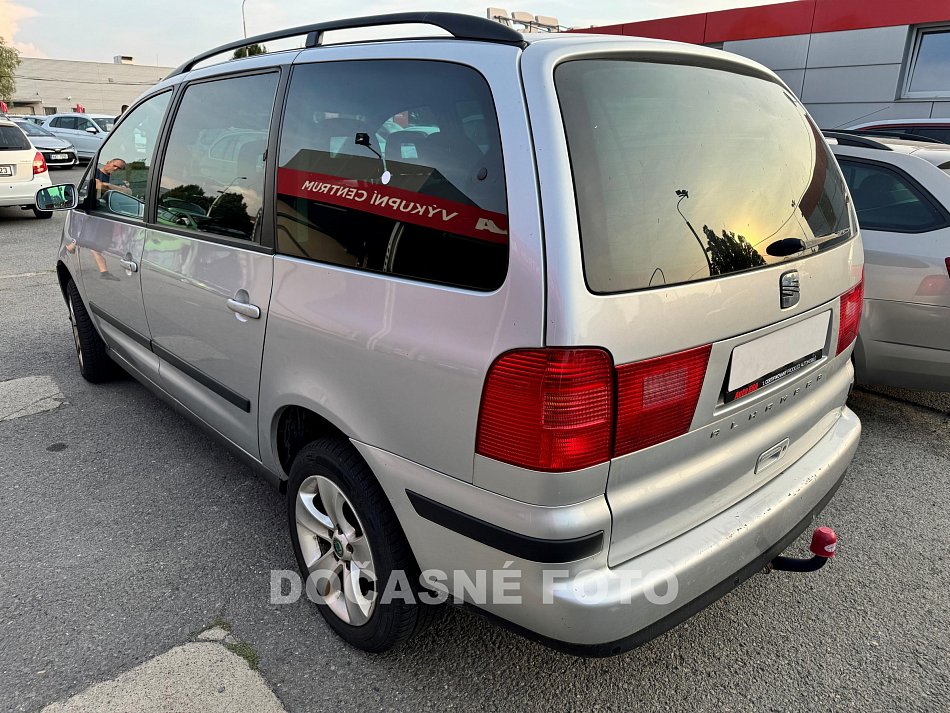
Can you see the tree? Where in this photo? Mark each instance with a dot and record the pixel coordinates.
(249, 51)
(9, 61)
(730, 253)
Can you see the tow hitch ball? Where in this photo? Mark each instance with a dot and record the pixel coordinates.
(824, 541)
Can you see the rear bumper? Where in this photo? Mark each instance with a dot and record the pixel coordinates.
(586, 607)
(23, 193)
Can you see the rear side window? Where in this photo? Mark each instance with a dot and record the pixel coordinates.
(211, 192)
(12, 139)
(886, 199)
(683, 173)
(395, 167)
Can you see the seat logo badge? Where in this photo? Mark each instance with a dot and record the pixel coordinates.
(789, 289)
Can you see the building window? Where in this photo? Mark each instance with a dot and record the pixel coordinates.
(928, 74)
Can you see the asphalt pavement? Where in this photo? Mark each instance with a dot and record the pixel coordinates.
(126, 531)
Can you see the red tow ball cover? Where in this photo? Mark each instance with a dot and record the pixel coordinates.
(824, 542)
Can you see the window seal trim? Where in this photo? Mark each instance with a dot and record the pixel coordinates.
(922, 192)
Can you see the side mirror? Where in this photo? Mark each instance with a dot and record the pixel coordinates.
(61, 197)
(92, 130)
(124, 204)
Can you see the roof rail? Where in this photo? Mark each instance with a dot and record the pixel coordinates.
(846, 138)
(898, 135)
(462, 27)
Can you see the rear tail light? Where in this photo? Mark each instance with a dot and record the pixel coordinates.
(947, 262)
(849, 315)
(39, 164)
(556, 409)
(656, 398)
(548, 409)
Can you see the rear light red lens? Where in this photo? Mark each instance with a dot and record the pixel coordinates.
(849, 319)
(656, 398)
(548, 409)
(39, 164)
(947, 262)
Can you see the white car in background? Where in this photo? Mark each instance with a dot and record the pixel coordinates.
(23, 170)
(933, 129)
(901, 192)
(84, 131)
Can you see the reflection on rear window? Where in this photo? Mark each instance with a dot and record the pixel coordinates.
(684, 173)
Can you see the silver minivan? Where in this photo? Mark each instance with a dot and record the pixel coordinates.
(556, 326)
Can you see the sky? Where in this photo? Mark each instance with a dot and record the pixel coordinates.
(168, 32)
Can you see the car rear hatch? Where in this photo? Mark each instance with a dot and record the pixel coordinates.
(16, 156)
(716, 241)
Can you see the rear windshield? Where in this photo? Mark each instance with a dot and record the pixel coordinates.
(31, 129)
(12, 139)
(683, 173)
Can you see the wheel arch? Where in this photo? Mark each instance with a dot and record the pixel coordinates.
(63, 276)
(293, 426)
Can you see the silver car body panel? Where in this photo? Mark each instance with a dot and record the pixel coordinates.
(112, 292)
(186, 284)
(589, 601)
(399, 366)
(425, 347)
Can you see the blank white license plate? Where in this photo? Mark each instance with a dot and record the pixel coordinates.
(6, 170)
(59, 156)
(768, 359)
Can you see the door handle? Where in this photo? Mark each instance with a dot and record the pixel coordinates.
(129, 265)
(248, 310)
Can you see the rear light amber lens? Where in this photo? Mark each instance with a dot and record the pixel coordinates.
(39, 164)
(656, 398)
(548, 409)
(849, 315)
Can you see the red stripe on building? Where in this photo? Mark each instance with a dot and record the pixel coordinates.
(782, 19)
(835, 15)
(790, 18)
(688, 28)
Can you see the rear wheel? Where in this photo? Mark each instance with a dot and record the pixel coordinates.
(42, 213)
(348, 542)
(94, 362)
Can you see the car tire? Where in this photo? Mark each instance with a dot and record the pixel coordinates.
(94, 362)
(367, 523)
(37, 213)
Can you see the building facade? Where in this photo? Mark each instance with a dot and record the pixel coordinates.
(849, 61)
(48, 86)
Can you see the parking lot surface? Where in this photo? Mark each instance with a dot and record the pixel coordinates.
(127, 531)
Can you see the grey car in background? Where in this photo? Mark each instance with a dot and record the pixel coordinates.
(84, 131)
(57, 152)
(901, 191)
(574, 312)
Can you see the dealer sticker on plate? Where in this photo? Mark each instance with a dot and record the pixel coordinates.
(775, 356)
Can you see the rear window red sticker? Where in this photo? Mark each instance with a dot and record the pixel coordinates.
(396, 203)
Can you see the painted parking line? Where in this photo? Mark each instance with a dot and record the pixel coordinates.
(199, 677)
(27, 396)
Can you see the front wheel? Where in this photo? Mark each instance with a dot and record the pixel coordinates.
(348, 545)
(94, 362)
